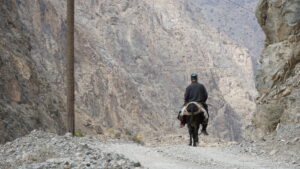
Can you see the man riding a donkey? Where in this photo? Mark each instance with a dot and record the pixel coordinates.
(195, 109)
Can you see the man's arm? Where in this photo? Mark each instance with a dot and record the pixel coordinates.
(186, 95)
(205, 93)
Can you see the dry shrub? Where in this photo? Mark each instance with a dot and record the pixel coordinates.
(79, 133)
(268, 116)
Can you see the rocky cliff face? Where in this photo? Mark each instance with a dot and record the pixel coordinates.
(278, 77)
(235, 18)
(27, 98)
(133, 61)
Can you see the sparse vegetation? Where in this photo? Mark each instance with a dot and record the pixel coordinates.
(138, 139)
(79, 133)
(134, 137)
(111, 131)
(128, 132)
(269, 117)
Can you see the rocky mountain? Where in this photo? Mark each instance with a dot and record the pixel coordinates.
(133, 61)
(278, 77)
(235, 18)
(28, 99)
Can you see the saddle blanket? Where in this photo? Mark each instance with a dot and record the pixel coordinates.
(200, 109)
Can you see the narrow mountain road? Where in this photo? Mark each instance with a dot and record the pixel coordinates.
(47, 150)
(186, 157)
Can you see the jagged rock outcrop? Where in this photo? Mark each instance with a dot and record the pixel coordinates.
(278, 77)
(133, 61)
(27, 99)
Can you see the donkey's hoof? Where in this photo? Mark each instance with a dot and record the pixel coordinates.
(204, 132)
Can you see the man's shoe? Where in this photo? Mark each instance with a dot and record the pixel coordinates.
(204, 132)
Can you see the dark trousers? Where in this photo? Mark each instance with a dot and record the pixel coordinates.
(205, 121)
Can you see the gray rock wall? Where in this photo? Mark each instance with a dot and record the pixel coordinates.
(27, 99)
(278, 77)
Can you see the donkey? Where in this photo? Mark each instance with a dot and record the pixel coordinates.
(195, 115)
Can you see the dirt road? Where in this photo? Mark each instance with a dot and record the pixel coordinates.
(47, 150)
(186, 157)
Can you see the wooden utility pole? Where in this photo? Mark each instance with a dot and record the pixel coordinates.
(70, 67)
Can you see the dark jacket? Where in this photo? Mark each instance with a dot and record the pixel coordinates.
(195, 92)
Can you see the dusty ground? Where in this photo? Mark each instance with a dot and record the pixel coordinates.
(185, 157)
(277, 150)
(49, 151)
(210, 154)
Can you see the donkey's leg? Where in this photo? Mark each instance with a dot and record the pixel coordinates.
(191, 135)
(196, 129)
(196, 138)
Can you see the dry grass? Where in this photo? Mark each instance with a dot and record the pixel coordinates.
(134, 137)
(79, 133)
(268, 117)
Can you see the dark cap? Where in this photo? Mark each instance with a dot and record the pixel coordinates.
(194, 76)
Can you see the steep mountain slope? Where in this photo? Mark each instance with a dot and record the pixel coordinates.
(158, 47)
(235, 18)
(133, 61)
(27, 99)
(279, 73)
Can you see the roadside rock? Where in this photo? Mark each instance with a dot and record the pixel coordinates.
(46, 150)
(282, 145)
(277, 78)
(273, 152)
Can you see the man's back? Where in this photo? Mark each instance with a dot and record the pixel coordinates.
(195, 92)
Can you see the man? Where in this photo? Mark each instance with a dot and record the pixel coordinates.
(196, 92)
